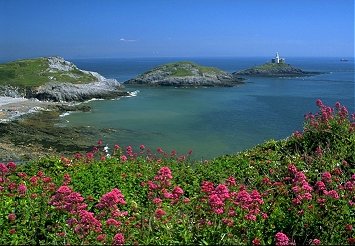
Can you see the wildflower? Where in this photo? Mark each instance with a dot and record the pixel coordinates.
(11, 166)
(123, 158)
(111, 199)
(348, 227)
(99, 142)
(177, 192)
(256, 241)
(118, 239)
(165, 173)
(12, 231)
(159, 213)
(116, 147)
(333, 194)
(319, 103)
(326, 176)
(320, 185)
(3, 168)
(292, 168)
(113, 222)
(11, 217)
(250, 216)
(142, 147)
(157, 201)
(90, 155)
(281, 239)
(231, 181)
(22, 189)
(315, 242)
(101, 237)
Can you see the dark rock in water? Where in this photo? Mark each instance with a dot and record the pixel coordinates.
(275, 70)
(69, 108)
(186, 74)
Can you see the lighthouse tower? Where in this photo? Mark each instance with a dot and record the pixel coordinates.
(277, 58)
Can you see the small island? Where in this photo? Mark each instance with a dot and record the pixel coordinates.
(276, 68)
(186, 74)
(54, 79)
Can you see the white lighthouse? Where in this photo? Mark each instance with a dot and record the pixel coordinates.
(277, 59)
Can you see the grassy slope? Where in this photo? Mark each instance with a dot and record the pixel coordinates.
(182, 69)
(32, 72)
(323, 147)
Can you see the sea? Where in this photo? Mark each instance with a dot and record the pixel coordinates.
(212, 121)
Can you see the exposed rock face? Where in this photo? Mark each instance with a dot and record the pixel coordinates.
(66, 92)
(275, 70)
(185, 74)
(56, 79)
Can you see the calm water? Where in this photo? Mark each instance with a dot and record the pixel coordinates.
(213, 121)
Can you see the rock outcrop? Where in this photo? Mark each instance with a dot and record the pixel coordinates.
(186, 74)
(274, 70)
(55, 79)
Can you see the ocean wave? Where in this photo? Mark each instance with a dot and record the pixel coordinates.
(133, 93)
(64, 114)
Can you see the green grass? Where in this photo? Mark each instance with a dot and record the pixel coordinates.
(184, 68)
(32, 72)
(265, 180)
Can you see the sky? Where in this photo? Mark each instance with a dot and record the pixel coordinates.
(176, 28)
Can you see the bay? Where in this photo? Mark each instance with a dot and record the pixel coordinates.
(213, 121)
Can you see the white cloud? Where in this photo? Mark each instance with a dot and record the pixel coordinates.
(127, 40)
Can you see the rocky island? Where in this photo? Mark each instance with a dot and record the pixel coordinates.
(276, 68)
(186, 74)
(55, 79)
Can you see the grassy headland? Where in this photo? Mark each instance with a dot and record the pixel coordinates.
(36, 72)
(298, 190)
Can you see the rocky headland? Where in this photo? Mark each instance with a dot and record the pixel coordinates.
(55, 79)
(275, 70)
(186, 74)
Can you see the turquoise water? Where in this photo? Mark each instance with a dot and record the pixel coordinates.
(213, 121)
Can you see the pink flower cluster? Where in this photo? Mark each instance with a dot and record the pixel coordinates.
(220, 195)
(300, 186)
(160, 189)
(66, 199)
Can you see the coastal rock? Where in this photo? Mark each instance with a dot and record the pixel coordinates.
(186, 74)
(66, 92)
(274, 70)
(55, 79)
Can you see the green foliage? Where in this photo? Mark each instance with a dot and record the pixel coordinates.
(34, 72)
(278, 182)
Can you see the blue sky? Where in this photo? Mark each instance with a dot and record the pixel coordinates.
(173, 28)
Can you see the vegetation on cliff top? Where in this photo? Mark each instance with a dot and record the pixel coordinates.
(275, 70)
(36, 72)
(300, 190)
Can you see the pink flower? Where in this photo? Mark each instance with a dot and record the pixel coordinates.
(333, 194)
(157, 201)
(11, 165)
(320, 185)
(90, 155)
(315, 242)
(22, 189)
(281, 239)
(123, 158)
(11, 217)
(256, 241)
(113, 222)
(116, 147)
(111, 199)
(348, 227)
(177, 192)
(165, 172)
(142, 147)
(118, 239)
(3, 168)
(319, 103)
(159, 213)
(326, 176)
(101, 237)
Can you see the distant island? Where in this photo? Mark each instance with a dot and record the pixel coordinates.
(276, 68)
(54, 79)
(186, 74)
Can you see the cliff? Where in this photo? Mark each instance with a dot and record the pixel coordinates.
(185, 74)
(55, 79)
(274, 70)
